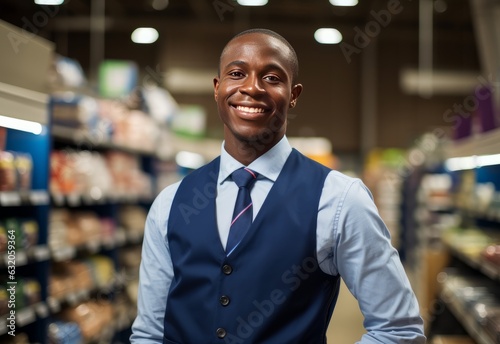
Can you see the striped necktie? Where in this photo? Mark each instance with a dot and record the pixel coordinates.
(243, 214)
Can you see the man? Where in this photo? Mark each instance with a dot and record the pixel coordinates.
(210, 276)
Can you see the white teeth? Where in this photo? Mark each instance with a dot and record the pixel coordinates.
(250, 109)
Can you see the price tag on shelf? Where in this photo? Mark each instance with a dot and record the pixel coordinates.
(39, 197)
(41, 309)
(21, 258)
(10, 198)
(54, 304)
(41, 253)
(64, 253)
(25, 316)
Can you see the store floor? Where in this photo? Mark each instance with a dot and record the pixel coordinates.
(346, 326)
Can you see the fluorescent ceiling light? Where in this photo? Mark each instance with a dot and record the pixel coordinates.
(144, 35)
(471, 162)
(328, 36)
(21, 124)
(252, 2)
(159, 5)
(344, 2)
(49, 2)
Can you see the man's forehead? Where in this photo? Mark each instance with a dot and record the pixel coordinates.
(259, 40)
(256, 38)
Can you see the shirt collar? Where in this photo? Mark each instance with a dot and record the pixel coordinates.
(268, 165)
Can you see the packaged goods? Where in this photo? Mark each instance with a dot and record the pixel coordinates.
(13, 225)
(24, 167)
(30, 231)
(8, 176)
(64, 332)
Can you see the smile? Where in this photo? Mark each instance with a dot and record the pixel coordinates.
(250, 109)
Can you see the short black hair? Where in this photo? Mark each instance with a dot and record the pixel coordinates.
(294, 61)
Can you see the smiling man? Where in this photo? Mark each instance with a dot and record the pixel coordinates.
(261, 260)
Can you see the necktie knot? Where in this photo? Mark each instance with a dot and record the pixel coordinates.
(244, 177)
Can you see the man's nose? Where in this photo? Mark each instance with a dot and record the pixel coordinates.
(251, 85)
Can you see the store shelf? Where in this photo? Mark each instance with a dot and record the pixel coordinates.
(84, 139)
(38, 253)
(480, 144)
(490, 214)
(486, 268)
(26, 316)
(15, 198)
(21, 103)
(466, 319)
(55, 304)
(120, 239)
(78, 200)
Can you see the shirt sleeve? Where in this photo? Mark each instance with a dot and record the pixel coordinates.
(155, 274)
(372, 271)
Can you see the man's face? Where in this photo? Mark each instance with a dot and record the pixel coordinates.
(254, 89)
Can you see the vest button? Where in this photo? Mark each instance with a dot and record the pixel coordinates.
(221, 333)
(224, 300)
(227, 269)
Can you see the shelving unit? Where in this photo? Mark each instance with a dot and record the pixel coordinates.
(479, 228)
(31, 262)
(110, 245)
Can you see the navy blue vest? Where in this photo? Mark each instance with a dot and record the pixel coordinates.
(270, 289)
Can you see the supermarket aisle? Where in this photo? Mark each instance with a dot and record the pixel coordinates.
(347, 321)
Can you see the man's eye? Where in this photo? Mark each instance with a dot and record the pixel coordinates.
(236, 74)
(272, 78)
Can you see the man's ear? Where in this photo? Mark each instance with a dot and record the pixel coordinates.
(296, 91)
(216, 87)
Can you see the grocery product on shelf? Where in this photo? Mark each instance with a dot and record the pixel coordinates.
(27, 293)
(96, 176)
(15, 171)
(93, 319)
(64, 332)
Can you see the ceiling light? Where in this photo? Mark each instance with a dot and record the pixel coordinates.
(144, 35)
(252, 2)
(159, 5)
(344, 2)
(328, 36)
(21, 124)
(49, 2)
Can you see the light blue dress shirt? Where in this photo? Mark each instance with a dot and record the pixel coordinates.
(352, 241)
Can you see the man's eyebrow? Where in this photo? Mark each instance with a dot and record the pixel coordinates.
(236, 63)
(270, 66)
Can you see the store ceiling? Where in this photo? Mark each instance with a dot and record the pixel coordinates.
(123, 15)
(192, 33)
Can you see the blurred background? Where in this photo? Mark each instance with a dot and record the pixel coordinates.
(104, 103)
